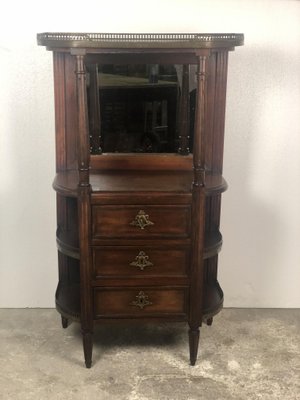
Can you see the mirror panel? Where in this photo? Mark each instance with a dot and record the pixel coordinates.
(137, 108)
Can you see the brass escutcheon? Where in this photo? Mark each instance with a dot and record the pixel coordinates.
(141, 220)
(141, 300)
(141, 261)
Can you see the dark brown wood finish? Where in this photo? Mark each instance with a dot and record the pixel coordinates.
(140, 261)
(84, 210)
(198, 211)
(140, 221)
(60, 115)
(65, 108)
(103, 182)
(140, 302)
(138, 234)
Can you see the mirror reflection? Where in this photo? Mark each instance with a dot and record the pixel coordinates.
(138, 108)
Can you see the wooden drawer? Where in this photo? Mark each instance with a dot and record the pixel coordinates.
(141, 261)
(140, 302)
(141, 221)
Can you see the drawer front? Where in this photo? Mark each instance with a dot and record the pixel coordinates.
(140, 302)
(140, 261)
(141, 221)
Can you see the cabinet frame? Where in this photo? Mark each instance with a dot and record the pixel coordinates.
(85, 183)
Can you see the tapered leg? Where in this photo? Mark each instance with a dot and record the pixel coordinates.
(87, 348)
(64, 322)
(193, 342)
(209, 321)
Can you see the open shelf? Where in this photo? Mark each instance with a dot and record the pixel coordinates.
(213, 243)
(67, 300)
(213, 300)
(67, 243)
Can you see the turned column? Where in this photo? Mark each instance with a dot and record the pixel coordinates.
(198, 210)
(84, 209)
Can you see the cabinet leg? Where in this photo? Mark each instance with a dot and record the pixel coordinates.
(87, 348)
(64, 322)
(193, 342)
(209, 321)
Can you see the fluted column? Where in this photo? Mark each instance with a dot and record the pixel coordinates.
(83, 148)
(199, 130)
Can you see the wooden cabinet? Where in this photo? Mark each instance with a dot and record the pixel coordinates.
(139, 150)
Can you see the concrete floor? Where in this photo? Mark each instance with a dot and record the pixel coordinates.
(246, 354)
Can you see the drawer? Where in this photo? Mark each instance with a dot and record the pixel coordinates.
(141, 261)
(140, 302)
(141, 221)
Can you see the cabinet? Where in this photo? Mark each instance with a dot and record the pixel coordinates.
(139, 146)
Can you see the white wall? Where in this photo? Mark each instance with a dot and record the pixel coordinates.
(260, 262)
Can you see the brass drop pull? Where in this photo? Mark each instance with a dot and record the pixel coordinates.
(141, 300)
(141, 261)
(141, 220)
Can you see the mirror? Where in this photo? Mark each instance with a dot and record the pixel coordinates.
(137, 108)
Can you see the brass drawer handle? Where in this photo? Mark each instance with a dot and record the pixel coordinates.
(141, 261)
(141, 300)
(141, 220)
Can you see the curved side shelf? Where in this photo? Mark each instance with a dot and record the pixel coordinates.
(213, 300)
(67, 300)
(215, 184)
(67, 243)
(213, 243)
(65, 183)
